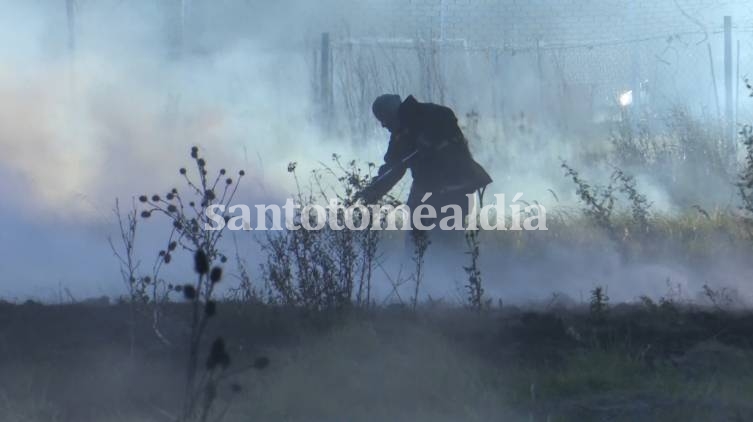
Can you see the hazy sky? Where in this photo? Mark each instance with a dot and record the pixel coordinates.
(118, 117)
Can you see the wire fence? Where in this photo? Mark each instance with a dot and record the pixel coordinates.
(568, 84)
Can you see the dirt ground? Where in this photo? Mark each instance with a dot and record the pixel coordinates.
(638, 362)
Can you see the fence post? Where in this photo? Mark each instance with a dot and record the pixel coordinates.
(326, 97)
(713, 80)
(729, 117)
(175, 16)
(737, 86)
(71, 14)
(540, 74)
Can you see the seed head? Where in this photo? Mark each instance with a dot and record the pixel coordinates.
(223, 259)
(216, 275)
(189, 292)
(218, 355)
(194, 152)
(170, 196)
(168, 258)
(146, 214)
(172, 246)
(202, 162)
(222, 171)
(172, 208)
(209, 194)
(201, 262)
(143, 198)
(229, 181)
(182, 170)
(155, 198)
(241, 173)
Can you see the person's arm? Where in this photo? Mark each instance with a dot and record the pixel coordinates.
(387, 178)
(389, 173)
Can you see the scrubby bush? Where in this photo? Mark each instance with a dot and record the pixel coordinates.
(325, 268)
(189, 221)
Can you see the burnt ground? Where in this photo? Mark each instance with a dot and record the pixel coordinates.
(632, 362)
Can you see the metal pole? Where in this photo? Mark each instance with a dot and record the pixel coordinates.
(71, 12)
(326, 80)
(713, 80)
(182, 27)
(728, 109)
(540, 74)
(737, 87)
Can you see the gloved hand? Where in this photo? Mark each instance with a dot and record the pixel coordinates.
(368, 195)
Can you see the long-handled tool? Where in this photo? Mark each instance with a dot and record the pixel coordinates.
(402, 161)
(384, 175)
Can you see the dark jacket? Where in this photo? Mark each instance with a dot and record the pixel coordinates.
(442, 165)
